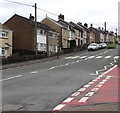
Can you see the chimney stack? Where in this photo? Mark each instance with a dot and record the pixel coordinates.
(86, 25)
(91, 25)
(31, 17)
(60, 17)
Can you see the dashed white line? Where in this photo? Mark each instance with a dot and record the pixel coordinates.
(11, 78)
(86, 86)
(34, 72)
(59, 107)
(68, 99)
(83, 57)
(116, 57)
(75, 94)
(99, 57)
(89, 94)
(107, 57)
(52, 67)
(91, 57)
(83, 99)
(82, 89)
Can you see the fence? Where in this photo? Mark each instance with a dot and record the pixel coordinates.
(17, 58)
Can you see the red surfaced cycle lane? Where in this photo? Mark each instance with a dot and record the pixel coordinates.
(102, 89)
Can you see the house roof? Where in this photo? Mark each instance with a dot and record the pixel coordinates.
(32, 22)
(76, 26)
(4, 27)
(56, 22)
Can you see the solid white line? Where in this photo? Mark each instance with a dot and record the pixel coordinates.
(109, 70)
(59, 107)
(11, 78)
(68, 99)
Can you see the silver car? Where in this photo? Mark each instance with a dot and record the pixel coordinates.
(93, 46)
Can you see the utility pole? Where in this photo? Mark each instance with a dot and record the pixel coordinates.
(105, 32)
(35, 40)
(116, 35)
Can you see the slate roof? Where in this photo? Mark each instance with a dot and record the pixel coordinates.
(39, 24)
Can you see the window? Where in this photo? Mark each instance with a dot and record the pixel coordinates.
(3, 34)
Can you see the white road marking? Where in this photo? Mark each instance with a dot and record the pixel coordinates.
(107, 57)
(59, 107)
(67, 64)
(91, 83)
(103, 82)
(116, 57)
(91, 57)
(52, 67)
(99, 57)
(68, 99)
(11, 78)
(86, 86)
(75, 57)
(83, 99)
(89, 94)
(68, 57)
(94, 80)
(109, 70)
(82, 89)
(75, 94)
(99, 85)
(34, 72)
(78, 61)
(83, 57)
(95, 89)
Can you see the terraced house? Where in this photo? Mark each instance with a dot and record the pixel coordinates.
(5, 41)
(61, 28)
(24, 39)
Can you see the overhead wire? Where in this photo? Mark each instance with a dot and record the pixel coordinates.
(47, 11)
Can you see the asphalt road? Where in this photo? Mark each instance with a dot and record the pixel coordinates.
(42, 86)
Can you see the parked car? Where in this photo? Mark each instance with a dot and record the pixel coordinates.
(100, 46)
(118, 43)
(104, 45)
(93, 46)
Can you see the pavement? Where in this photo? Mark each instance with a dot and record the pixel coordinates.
(103, 99)
(13, 65)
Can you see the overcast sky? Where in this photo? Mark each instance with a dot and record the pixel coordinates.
(85, 11)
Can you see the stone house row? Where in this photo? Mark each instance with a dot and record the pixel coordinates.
(52, 36)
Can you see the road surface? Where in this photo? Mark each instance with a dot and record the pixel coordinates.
(43, 86)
